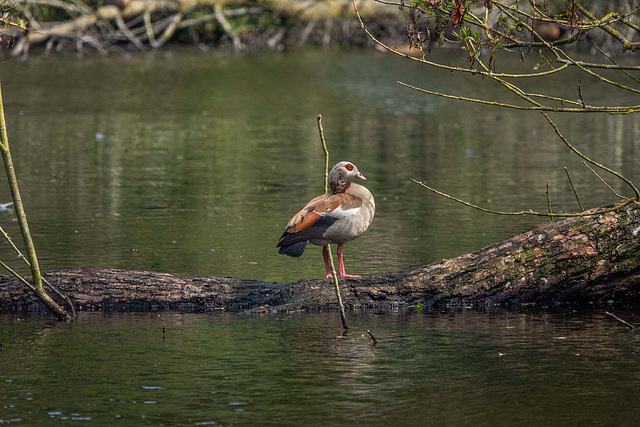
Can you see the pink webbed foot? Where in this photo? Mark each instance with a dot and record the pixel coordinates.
(341, 272)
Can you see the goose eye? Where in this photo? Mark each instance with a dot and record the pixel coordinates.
(349, 167)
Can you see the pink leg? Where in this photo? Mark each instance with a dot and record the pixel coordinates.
(325, 254)
(341, 272)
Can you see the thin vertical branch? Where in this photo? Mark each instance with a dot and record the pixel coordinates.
(343, 316)
(38, 288)
(581, 98)
(17, 199)
(549, 202)
(573, 187)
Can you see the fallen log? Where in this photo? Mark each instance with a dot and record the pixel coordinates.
(581, 260)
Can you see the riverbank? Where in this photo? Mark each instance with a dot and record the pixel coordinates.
(139, 25)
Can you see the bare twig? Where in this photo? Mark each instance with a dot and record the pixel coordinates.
(616, 64)
(573, 187)
(593, 162)
(38, 287)
(375, 341)
(626, 44)
(46, 282)
(443, 66)
(343, 315)
(149, 28)
(168, 32)
(72, 8)
(559, 53)
(596, 65)
(618, 195)
(18, 276)
(624, 322)
(580, 94)
(237, 44)
(549, 202)
(474, 46)
(527, 212)
(585, 109)
(127, 32)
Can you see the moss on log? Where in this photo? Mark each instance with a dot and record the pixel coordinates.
(578, 260)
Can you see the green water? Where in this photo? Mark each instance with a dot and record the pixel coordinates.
(191, 162)
(194, 162)
(426, 369)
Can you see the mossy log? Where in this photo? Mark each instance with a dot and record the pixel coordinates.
(580, 260)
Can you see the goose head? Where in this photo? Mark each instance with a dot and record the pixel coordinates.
(339, 175)
(347, 170)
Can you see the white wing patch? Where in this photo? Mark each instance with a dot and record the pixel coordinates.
(342, 213)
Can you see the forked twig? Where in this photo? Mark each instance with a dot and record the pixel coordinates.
(65, 297)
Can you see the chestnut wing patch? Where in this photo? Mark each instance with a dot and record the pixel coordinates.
(313, 220)
(344, 205)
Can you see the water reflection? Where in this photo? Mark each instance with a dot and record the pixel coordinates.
(447, 368)
(192, 163)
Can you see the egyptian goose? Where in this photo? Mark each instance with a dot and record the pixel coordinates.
(336, 217)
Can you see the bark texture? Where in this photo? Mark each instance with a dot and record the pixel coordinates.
(579, 260)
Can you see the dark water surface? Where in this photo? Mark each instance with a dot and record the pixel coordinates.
(427, 369)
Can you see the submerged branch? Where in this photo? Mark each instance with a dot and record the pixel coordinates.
(624, 322)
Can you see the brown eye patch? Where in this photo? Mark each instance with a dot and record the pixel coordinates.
(349, 167)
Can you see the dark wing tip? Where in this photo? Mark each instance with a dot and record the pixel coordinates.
(294, 250)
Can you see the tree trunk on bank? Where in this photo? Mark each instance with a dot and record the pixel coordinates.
(578, 260)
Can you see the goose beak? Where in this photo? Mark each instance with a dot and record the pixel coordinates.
(360, 176)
